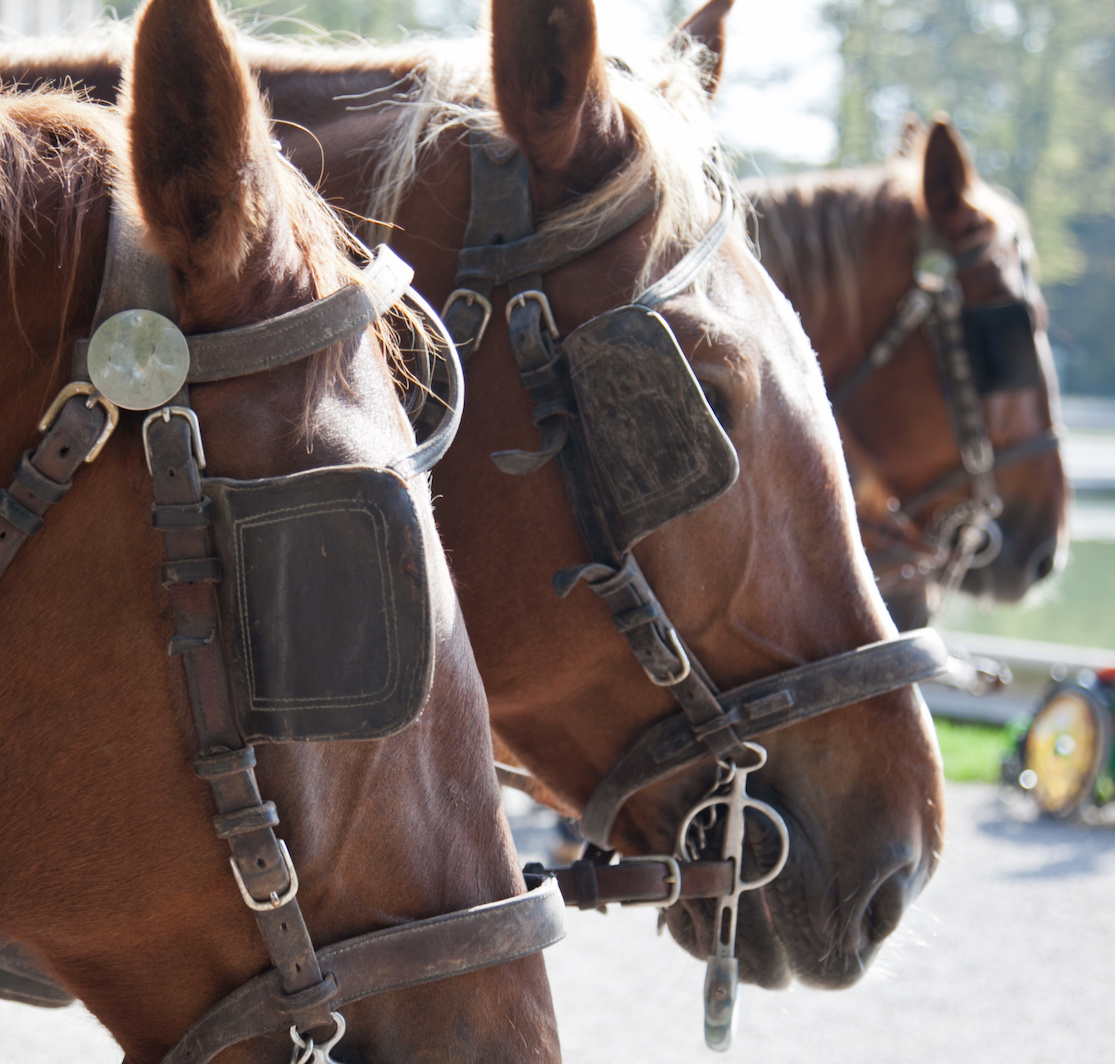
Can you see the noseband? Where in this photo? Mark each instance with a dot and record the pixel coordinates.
(974, 360)
(246, 687)
(617, 405)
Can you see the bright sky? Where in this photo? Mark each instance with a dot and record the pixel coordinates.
(782, 74)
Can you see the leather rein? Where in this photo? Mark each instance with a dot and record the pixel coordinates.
(502, 249)
(305, 987)
(967, 536)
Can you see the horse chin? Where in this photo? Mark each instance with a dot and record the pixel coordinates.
(763, 959)
(787, 930)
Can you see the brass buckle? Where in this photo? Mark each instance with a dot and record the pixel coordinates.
(75, 388)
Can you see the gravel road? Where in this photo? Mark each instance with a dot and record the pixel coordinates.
(1004, 960)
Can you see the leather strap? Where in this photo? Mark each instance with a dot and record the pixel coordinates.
(762, 706)
(22, 979)
(43, 476)
(499, 264)
(294, 335)
(640, 882)
(393, 959)
(262, 866)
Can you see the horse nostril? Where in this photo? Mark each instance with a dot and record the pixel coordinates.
(884, 910)
(1044, 567)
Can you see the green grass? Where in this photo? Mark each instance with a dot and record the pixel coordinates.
(973, 751)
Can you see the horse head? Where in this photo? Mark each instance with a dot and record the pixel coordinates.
(917, 284)
(113, 875)
(768, 576)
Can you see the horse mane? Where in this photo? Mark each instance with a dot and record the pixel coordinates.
(58, 155)
(56, 161)
(813, 230)
(439, 88)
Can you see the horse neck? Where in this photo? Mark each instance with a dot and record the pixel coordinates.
(841, 248)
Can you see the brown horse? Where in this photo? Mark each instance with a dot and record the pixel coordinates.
(845, 247)
(771, 575)
(112, 872)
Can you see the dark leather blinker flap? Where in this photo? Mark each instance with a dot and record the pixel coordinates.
(1001, 347)
(657, 450)
(325, 604)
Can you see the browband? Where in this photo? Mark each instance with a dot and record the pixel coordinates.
(296, 334)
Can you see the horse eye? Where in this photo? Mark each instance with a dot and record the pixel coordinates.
(716, 401)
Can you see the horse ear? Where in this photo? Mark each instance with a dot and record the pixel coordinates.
(911, 137)
(706, 27)
(948, 176)
(200, 147)
(550, 84)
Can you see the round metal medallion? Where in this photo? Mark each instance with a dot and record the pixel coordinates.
(138, 359)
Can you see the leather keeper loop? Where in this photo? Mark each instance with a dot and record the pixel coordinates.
(587, 886)
(541, 377)
(192, 571)
(552, 408)
(225, 764)
(311, 998)
(638, 617)
(245, 821)
(718, 724)
(169, 517)
(38, 483)
(18, 515)
(183, 644)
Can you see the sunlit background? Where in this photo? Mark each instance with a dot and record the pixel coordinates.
(1031, 85)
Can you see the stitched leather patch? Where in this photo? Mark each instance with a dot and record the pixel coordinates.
(657, 450)
(325, 608)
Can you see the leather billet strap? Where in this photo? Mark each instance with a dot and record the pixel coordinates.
(393, 959)
(762, 706)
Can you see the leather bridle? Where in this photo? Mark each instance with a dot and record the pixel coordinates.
(305, 987)
(966, 536)
(502, 249)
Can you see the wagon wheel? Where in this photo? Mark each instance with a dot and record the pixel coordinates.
(1064, 751)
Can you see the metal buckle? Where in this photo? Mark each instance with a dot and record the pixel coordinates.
(540, 298)
(166, 413)
(470, 297)
(74, 388)
(275, 901)
(686, 667)
(673, 881)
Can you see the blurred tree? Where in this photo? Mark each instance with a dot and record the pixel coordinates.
(383, 20)
(1031, 84)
